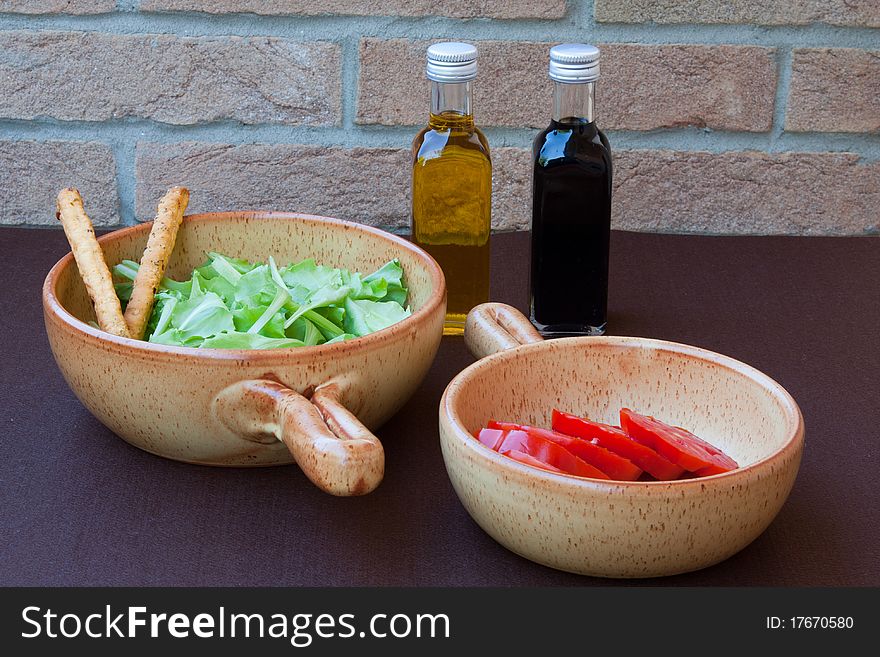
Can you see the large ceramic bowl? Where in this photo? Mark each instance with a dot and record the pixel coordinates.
(315, 405)
(617, 529)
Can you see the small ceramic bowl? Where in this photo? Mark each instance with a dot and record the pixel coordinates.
(616, 529)
(315, 405)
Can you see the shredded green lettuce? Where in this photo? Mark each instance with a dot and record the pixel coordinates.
(230, 303)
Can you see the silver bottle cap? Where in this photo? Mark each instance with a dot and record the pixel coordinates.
(574, 62)
(452, 62)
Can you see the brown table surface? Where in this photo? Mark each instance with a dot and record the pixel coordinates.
(78, 506)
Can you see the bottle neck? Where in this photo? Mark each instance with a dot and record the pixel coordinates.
(574, 102)
(451, 105)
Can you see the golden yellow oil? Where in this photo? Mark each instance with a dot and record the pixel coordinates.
(451, 209)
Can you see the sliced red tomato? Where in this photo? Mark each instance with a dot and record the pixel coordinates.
(615, 466)
(522, 457)
(676, 444)
(615, 440)
(550, 453)
(491, 438)
(504, 426)
(715, 469)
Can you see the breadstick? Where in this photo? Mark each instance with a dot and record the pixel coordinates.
(90, 262)
(155, 259)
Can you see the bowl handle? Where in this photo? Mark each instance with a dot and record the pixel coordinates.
(334, 450)
(492, 327)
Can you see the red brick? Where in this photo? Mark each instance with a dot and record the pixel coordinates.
(643, 87)
(834, 90)
(368, 185)
(736, 192)
(858, 13)
(57, 6)
(449, 8)
(746, 192)
(34, 172)
(90, 76)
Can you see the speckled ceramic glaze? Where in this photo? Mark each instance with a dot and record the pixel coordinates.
(617, 529)
(317, 405)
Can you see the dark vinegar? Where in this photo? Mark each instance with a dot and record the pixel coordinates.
(571, 224)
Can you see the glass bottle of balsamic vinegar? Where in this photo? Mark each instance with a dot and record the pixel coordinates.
(571, 203)
(452, 183)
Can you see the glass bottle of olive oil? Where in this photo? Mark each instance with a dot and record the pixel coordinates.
(452, 183)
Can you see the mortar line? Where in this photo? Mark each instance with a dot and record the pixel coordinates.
(350, 76)
(584, 15)
(569, 27)
(130, 132)
(780, 107)
(124, 157)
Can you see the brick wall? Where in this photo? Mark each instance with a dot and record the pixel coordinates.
(725, 116)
